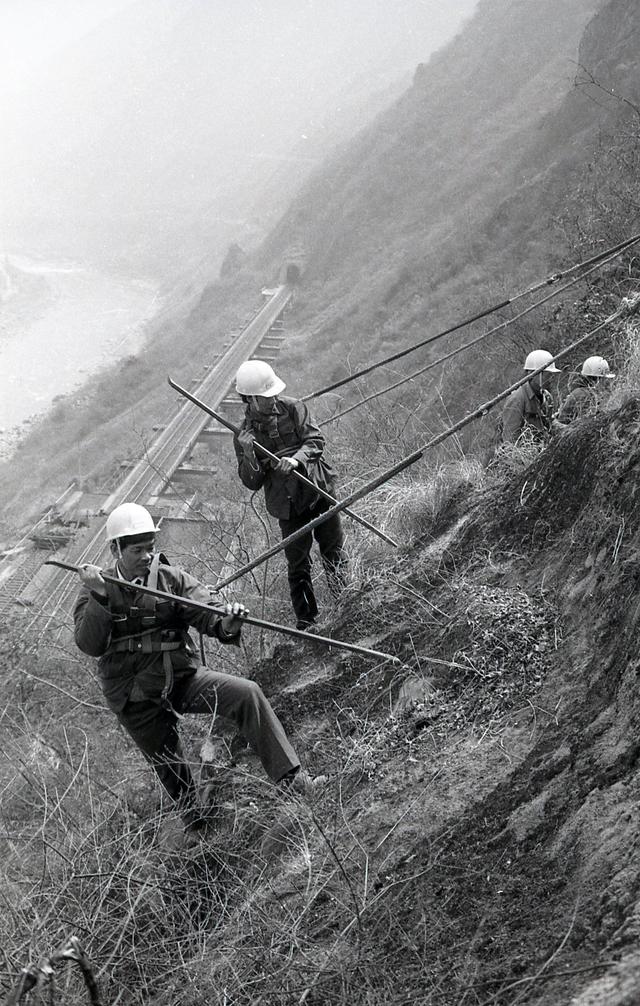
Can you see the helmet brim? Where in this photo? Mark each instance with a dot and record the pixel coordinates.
(136, 539)
(275, 390)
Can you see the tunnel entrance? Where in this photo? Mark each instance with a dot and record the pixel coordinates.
(293, 274)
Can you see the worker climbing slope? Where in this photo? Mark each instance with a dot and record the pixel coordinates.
(147, 663)
(529, 409)
(284, 426)
(587, 391)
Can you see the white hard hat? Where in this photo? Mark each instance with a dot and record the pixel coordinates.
(129, 519)
(255, 377)
(538, 358)
(596, 366)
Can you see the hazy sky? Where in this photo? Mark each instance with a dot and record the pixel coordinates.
(32, 31)
(125, 119)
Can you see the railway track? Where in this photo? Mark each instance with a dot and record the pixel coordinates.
(150, 476)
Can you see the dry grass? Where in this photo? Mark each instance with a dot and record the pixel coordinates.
(282, 902)
(626, 384)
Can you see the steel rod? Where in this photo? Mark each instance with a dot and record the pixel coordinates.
(286, 630)
(273, 457)
(411, 459)
(620, 247)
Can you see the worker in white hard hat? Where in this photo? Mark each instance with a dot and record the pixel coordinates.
(587, 390)
(284, 426)
(148, 666)
(529, 408)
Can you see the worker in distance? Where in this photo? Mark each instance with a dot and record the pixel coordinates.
(528, 411)
(587, 391)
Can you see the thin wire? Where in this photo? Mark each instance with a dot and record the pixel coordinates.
(554, 278)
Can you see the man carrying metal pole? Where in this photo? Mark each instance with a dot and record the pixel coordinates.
(148, 666)
(284, 426)
(629, 305)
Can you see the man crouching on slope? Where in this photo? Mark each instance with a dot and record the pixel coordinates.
(147, 662)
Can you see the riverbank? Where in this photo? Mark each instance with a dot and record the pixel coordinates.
(62, 323)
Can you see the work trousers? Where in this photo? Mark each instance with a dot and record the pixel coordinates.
(154, 728)
(330, 541)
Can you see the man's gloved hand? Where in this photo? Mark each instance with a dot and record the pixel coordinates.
(91, 577)
(286, 465)
(247, 442)
(232, 621)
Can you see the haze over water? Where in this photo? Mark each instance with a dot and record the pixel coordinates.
(78, 321)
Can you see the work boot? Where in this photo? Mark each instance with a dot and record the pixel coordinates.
(301, 785)
(194, 820)
(209, 811)
(176, 836)
(200, 809)
(306, 624)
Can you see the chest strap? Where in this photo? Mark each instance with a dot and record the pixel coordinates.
(144, 641)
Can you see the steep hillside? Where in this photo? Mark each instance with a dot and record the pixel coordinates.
(445, 154)
(471, 186)
(472, 836)
(475, 836)
(474, 184)
(478, 839)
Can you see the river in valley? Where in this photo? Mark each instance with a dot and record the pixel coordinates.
(60, 323)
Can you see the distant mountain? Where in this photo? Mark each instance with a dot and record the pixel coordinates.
(158, 133)
(450, 149)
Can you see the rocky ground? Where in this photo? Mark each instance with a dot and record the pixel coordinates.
(477, 839)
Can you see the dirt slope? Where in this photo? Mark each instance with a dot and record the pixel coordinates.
(478, 839)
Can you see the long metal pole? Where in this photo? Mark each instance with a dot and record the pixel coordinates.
(473, 342)
(286, 630)
(481, 410)
(476, 317)
(273, 457)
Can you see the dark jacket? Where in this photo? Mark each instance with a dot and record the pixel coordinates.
(103, 626)
(288, 432)
(526, 409)
(582, 400)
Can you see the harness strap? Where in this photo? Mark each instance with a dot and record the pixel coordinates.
(168, 680)
(152, 579)
(143, 643)
(147, 601)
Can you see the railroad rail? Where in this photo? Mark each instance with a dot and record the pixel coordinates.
(152, 475)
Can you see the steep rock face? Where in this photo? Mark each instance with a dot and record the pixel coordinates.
(609, 48)
(477, 183)
(486, 824)
(449, 144)
(541, 860)
(604, 76)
